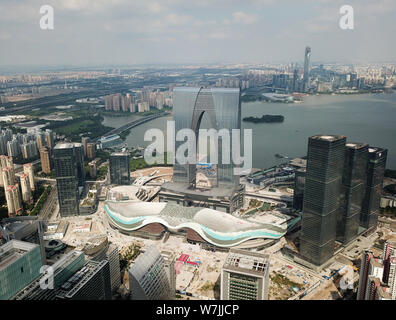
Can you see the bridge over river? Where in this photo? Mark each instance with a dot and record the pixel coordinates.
(134, 123)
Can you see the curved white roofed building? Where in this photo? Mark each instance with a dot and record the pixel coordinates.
(201, 224)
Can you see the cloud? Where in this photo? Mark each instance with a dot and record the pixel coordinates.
(218, 35)
(177, 20)
(155, 7)
(88, 5)
(4, 36)
(242, 17)
(118, 31)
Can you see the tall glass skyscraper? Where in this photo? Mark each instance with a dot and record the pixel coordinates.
(325, 163)
(353, 186)
(307, 60)
(67, 162)
(375, 176)
(224, 109)
(119, 168)
(79, 151)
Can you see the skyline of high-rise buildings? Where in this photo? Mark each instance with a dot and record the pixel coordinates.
(190, 152)
(341, 194)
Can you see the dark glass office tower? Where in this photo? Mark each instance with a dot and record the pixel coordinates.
(119, 168)
(299, 185)
(67, 180)
(321, 197)
(352, 193)
(375, 176)
(79, 151)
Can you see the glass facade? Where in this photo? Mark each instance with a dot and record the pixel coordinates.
(119, 168)
(79, 151)
(92, 282)
(65, 268)
(353, 185)
(24, 269)
(299, 185)
(325, 163)
(67, 162)
(148, 277)
(223, 107)
(375, 176)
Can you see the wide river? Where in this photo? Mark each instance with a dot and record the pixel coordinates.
(369, 118)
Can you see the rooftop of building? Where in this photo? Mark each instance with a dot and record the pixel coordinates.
(64, 145)
(375, 279)
(391, 243)
(119, 154)
(298, 162)
(66, 260)
(356, 145)
(247, 261)
(13, 250)
(12, 187)
(67, 145)
(216, 227)
(183, 188)
(383, 293)
(330, 138)
(376, 149)
(33, 291)
(376, 263)
(75, 282)
(195, 89)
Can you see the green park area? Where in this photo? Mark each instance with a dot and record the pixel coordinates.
(90, 126)
(86, 120)
(137, 164)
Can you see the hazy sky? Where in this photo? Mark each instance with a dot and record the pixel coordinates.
(98, 32)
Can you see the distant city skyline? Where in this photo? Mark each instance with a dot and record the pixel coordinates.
(121, 32)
